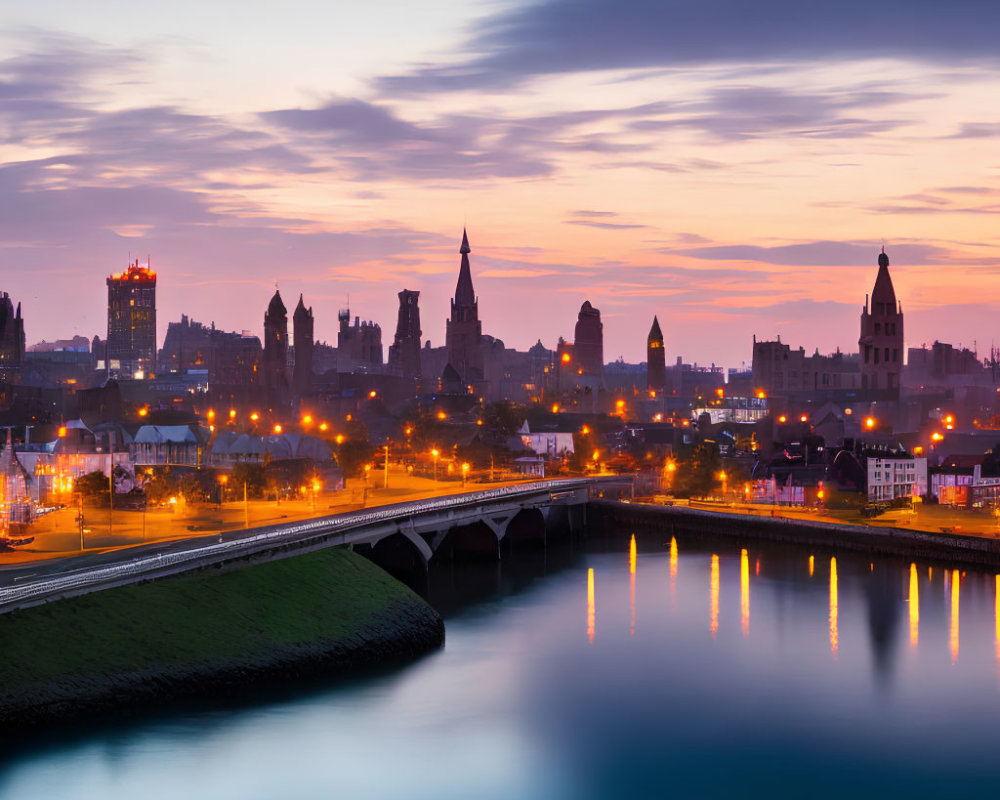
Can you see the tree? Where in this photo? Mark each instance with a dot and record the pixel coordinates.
(250, 475)
(94, 487)
(502, 420)
(352, 455)
(698, 470)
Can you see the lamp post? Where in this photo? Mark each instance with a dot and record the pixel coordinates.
(465, 473)
(385, 482)
(434, 454)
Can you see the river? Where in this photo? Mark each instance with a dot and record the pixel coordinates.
(685, 669)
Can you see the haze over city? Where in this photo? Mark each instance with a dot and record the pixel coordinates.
(734, 173)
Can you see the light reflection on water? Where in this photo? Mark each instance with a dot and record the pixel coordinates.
(524, 702)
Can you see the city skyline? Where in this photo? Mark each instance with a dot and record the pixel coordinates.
(742, 187)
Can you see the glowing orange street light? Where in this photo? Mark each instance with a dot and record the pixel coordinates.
(761, 394)
(720, 392)
(949, 422)
(479, 422)
(442, 415)
(657, 417)
(277, 429)
(782, 419)
(555, 408)
(408, 431)
(339, 438)
(565, 358)
(211, 414)
(937, 437)
(323, 426)
(307, 419)
(143, 412)
(804, 418)
(62, 432)
(254, 416)
(585, 430)
(434, 454)
(372, 393)
(232, 413)
(465, 473)
(869, 422)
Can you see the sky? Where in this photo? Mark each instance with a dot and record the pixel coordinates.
(731, 167)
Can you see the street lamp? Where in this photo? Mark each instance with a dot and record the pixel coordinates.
(385, 484)
(723, 477)
(434, 454)
(465, 473)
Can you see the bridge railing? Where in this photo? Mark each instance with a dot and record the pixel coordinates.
(256, 540)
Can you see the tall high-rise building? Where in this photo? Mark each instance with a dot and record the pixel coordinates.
(274, 365)
(656, 359)
(881, 342)
(131, 346)
(588, 341)
(302, 328)
(463, 331)
(11, 338)
(404, 353)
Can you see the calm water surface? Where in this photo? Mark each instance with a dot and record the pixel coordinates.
(683, 670)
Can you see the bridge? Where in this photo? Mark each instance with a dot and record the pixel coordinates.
(403, 538)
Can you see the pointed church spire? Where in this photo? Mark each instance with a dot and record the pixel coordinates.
(465, 295)
(655, 335)
(883, 292)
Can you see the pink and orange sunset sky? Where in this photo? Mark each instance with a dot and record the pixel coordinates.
(732, 167)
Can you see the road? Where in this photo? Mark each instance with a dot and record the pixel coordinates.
(39, 582)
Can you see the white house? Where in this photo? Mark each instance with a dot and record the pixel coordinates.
(889, 478)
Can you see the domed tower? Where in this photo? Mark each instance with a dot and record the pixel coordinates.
(881, 342)
(588, 341)
(656, 359)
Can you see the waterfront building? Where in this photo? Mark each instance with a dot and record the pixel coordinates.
(656, 359)
(131, 344)
(881, 343)
(891, 478)
(463, 330)
(302, 328)
(275, 361)
(404, 353)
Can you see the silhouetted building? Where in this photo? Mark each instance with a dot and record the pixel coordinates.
(302, 327)
(131, 345)
(656, 359)
(359, 346)
(780, 370)
(404, 354)
(463, 330)
(231, 359)
(11, 338)
(275, 361)
(881, 342)
(588, 341)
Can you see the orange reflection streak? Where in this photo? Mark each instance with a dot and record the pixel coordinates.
(914, 606)
(812, 565)
(997, 602)
(713, 620)
(673, 566)
(631, 586)
(834, 609)
(745, 592)
(591, 606)
(956, 582)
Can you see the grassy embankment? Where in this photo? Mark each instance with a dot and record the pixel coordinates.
(207, 634)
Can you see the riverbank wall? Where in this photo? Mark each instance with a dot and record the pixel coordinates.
(212, 634)
(606, 518)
